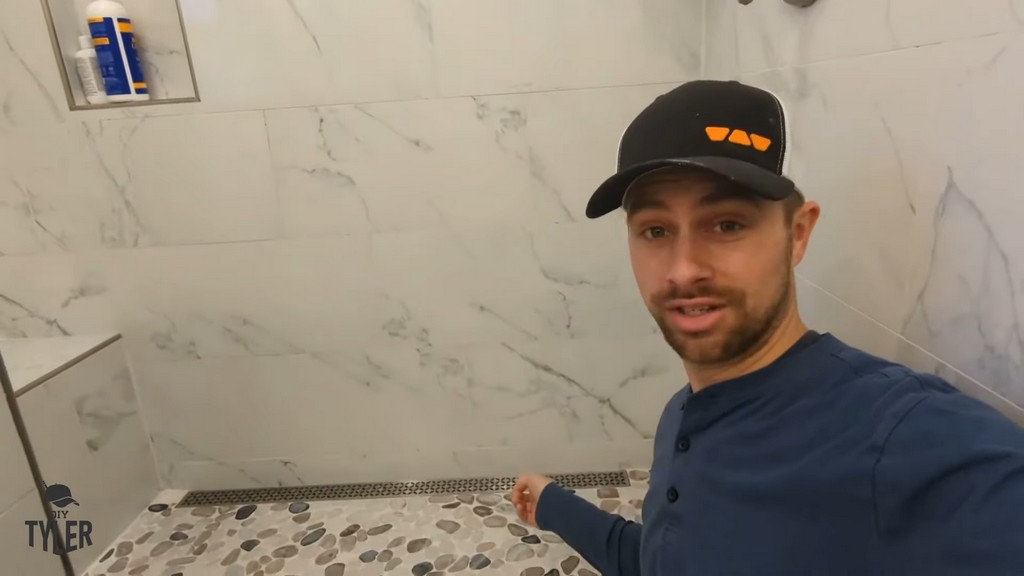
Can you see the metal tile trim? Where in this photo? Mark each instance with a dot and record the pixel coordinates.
(576, 481)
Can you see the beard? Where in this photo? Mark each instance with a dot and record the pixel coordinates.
(750, 327)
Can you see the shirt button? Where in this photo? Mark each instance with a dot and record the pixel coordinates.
(684, 444)
(672, 495)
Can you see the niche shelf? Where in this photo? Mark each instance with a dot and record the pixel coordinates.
(160, 38)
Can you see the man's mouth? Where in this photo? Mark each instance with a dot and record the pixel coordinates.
(695, 310)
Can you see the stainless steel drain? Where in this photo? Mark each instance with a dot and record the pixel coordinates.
(391, 489)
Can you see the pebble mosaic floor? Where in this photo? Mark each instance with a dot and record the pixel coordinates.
(422, 536)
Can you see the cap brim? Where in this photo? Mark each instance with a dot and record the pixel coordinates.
(65, 501)
(608, 197)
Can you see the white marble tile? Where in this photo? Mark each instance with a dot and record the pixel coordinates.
(18, 229)
(108, 183)
(453, 162)
(919, 143)
(189, 179)
(303, 52)
(28, 360)
(87, 432)
(18, 557)
(770, 34)
(491, 47)
(55, 295)
(445, 409)
(31, 93)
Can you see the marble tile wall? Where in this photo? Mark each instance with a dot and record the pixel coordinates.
(87, 433)
(906, 123)
(363, 255)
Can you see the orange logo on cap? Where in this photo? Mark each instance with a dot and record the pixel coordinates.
(741, 137)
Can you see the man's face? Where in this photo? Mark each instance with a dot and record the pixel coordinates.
(713, 263)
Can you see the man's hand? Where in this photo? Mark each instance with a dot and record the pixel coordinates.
(526, 495)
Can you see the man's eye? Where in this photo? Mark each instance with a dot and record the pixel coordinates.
(655, 232)
(729, 226)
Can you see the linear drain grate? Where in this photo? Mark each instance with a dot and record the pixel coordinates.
(390, 489)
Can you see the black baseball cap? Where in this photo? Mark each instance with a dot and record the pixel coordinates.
(737, 131)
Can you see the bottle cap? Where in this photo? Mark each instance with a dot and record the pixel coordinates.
(85, 42)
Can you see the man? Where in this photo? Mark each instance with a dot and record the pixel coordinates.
(789, 452)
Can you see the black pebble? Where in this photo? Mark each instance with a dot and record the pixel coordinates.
(479, 562)
(422, 569)
(245, 511)
(531, 539)
(177, 574)
(451, 506)
(248, 545)
(107, 555)
(350, 530)
(158, 507)
(178, 536)
(298, 507)
(552, 572)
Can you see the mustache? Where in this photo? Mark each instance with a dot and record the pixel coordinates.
(677, 293)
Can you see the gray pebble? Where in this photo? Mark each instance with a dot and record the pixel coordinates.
(517, 530)
(518, 553)
(422, 569)
(495, 521)
(418, 544)
(298, 507)
(248, 545)
(460, 565)
(335, 570)
(245, 511)
(489, 499)
(160, 549)
(286, 551)
(368, 556)
(326, 556)
(479, 562)
(448, 526)
(444, 562)
(313, 536)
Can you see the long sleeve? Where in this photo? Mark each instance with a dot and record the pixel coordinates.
(608, 541)
(949, 489)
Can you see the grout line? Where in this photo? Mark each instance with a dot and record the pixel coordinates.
(1017, 411)
(851, 57)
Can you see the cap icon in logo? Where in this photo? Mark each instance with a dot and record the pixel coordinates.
(59, 495)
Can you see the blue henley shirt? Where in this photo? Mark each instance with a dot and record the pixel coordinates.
(829, 461)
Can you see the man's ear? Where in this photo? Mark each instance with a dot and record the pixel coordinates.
(803, 224)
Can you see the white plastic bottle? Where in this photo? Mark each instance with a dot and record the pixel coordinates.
(114, 41)
(89, 72)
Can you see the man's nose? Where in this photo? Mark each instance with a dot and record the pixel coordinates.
(688, 264)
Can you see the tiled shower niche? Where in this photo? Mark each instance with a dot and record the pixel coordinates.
(160, 39)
